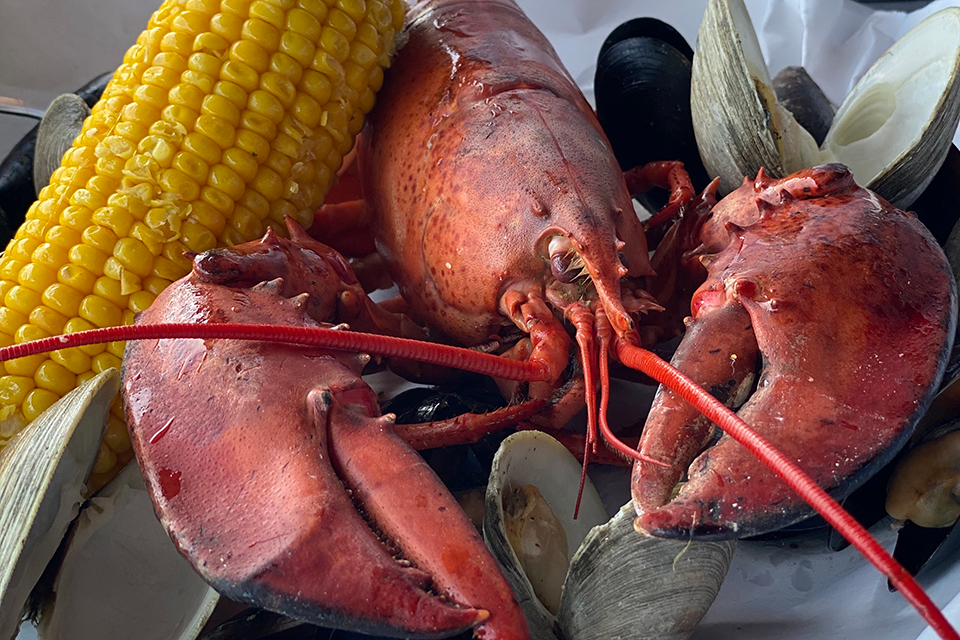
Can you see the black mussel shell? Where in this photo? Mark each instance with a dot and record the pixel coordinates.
(17, 191)
(647, 27)
(642, 89)
(917, 545)
(801, 96)
(938, 207)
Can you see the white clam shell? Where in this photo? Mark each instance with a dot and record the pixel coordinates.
(42, 475)
(620, 584)
(121, 577)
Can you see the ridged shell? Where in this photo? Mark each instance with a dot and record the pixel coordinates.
(42, 474)
(640, 587)
(60, 126)
(740, 127)
(620, 584)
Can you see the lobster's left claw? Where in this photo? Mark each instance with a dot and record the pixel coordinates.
(853, 308)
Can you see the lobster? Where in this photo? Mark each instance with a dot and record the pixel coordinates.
(476, 89)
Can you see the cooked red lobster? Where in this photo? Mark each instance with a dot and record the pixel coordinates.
(496, 201)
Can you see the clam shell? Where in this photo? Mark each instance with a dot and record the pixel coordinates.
(625, 585)
(532, 457)
(620, 584)
(739, 125)
(895, 127)
(121, 577)
(60, 126)
(42, 474)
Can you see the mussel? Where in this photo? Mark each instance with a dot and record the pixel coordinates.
(642, 91)
(589, 577)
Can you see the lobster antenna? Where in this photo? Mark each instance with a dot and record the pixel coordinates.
(668, 375)
(340, 339)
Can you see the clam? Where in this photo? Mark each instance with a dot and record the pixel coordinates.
(805, 100)
(121, 577)
(42, 474)
(60, 126)
(588, 577)
(893, 130)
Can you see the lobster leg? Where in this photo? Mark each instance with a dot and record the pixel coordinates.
(427, 523)
(466, 428)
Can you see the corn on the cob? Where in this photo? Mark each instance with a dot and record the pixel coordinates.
(224, 117)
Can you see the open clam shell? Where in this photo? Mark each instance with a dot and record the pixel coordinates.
(893, 130)
(618, 583)
(121, 577)
(42, 474)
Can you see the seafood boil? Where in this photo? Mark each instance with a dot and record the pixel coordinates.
(574, 215)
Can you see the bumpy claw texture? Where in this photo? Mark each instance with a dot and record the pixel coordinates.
(843, 307)
(247, 448)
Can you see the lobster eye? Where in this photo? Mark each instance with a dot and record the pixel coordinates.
(562, 255)
(623, 260)
(560, 266)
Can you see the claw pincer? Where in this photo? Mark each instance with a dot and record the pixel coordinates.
(258, 456)
(838, 311)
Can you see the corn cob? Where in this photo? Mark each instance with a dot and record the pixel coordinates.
(224, 117)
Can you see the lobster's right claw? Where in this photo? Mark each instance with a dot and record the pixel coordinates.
(238, 442)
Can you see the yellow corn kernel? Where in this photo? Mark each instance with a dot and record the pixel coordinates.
(139, 301)
(266, 104)
(357, 9)
(245, 222)
(38, 401)
(76, 324)
(48, 319)
(236, 7)
(11, 320)
(37, 277)
(76, 276)
(116, 437)
(22, 249)
(254, 144)
(110, 290)
(265, 36)
(241, 162)
(73, 360)
(218, 130)
(228, 26)
(63, 299)
(304, 24)
(49, 255)
(268, 183)
(104, 361)
(342, 24)
(14, 388)
(225, 179)
(99, 237)
(271, 14)
(62, 236)
(155, 285)
(203, 147)
(116, 349)
(280, 87)
(296, 53)
(208, 217)
(99, 312)
(133, 254)
(106, 459)
(10, 269)
(54, 377)
(21, 299)
(211, 43)
(334, 43)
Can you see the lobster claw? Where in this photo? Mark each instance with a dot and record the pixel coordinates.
(258, 455)
(838, 312)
